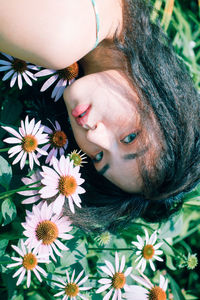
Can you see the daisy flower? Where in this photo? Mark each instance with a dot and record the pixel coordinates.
(150, 291)
(63, 182)
(44, 229)
(65, 76)
(72, 288)
(28, 138)
(147, 250)
(78, 158)
(58, 142)
(33, 195)
(18, 69)
(28, 262)
(117, 280)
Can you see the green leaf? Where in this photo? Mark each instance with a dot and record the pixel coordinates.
(172, 227)
(19, 297)
(169, 263)
(5, 173)
(10, 113)
(176, 291)
(3, 245)
(8, 210)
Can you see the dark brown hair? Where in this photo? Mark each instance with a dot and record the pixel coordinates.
(164, 87)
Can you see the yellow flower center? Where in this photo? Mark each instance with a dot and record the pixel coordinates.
(19, 65)
(29, 143)
(70, 72)
(29, 261)
(148, 251)
(156, 293)
(58, 139)
(118, 280)
(67, 185)
(71, 289)
(46, 231)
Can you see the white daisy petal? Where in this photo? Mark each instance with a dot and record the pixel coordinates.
(103, 288)
(19, 77)
(5, 62)
(122, 264)
(7, 75)
(4, 68)
(142, 281)
(116, 262)
(27, 79)
(21, 277)
(108, 295)
(49, 82)
(45, 72)
(152, 265)
(128, 271)
(110, 266)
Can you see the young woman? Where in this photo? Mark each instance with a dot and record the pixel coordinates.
(135, 111)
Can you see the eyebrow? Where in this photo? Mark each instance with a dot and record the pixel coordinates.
(128, 156)
(104, 169)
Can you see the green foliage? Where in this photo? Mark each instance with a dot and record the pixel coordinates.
(8, 210)
(5, 173)
(180, 235)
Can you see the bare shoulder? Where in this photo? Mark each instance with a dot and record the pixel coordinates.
(50, 33)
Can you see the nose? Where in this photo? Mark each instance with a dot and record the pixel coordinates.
(100, 136)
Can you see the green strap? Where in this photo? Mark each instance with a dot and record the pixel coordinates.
(97, 22)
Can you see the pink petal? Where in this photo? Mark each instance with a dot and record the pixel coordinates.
(49, 82)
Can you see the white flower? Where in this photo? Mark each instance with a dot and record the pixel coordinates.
(65, 76)
(28, 262)
(150, 291)
(28, 138)
(18, 69)
(148, 250)
(63, 182)
(58, 142)
(33, 194)
(72, 288)
(117, 280)
(44, 229)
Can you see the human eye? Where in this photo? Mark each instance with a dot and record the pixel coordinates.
(98, 157)
(129, 138)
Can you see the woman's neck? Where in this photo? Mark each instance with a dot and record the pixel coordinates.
(105, 56)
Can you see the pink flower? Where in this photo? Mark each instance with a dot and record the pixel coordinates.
(29, 262)
(65, 76)
(33, 194)
(58, 142)
(28, 139)
(44, 230)
(63, 182)
(117, 280)
(18, 69)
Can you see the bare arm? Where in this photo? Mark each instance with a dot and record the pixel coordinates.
(50, 33)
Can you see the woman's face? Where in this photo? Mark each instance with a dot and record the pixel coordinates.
(106, 126)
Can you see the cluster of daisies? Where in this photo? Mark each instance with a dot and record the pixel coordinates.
(49, 189)
(17, 71)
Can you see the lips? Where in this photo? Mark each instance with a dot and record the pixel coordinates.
(80, 113)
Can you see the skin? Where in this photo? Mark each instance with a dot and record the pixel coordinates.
(32, 31)
(111, 121)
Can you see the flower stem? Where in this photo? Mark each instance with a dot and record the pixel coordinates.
(176, 251)
(190, 232)
(4, 149)
(20, 189)
(110, 249)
